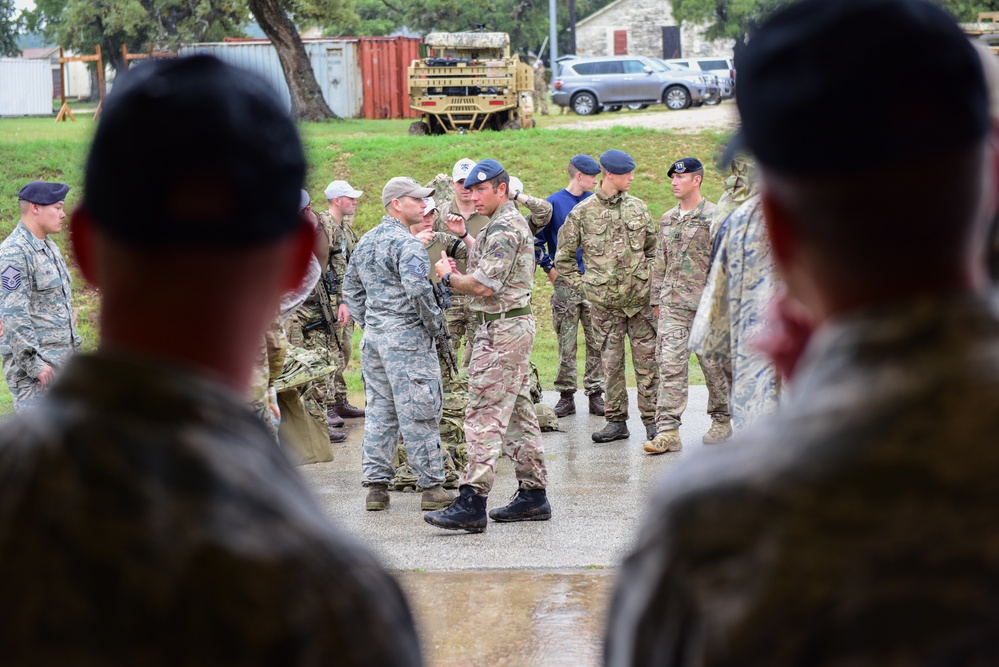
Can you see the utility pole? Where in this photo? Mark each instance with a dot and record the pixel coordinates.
(553, 35)
(572, 26)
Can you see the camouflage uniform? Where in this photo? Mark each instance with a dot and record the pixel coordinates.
(618, 238)
(456, 248)
(270, 363)
(731, 313)
(146, 517)
(317, 393)
(678, 275)
(343, 238)
(540, 91)
(36, 312)
(500, 416)
(388, 290)
(461, 322)
(854, 527)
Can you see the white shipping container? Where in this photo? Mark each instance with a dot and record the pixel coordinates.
(25, 87)
(335, 63)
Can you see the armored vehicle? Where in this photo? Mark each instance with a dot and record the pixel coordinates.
(468, 81)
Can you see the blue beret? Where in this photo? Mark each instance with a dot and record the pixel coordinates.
(617, 162)
(482, 172)
(42, 193)
(685, 165)
(585, 164)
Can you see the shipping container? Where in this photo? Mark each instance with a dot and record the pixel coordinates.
(25, 87)
(385, 62)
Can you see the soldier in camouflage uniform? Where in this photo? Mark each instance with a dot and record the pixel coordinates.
(35, 302)
(618, 238)
(146, 516)
(389, 293)
(500, 417)
(540, 88)
(853, 527)
(678, 275)
(342, 204)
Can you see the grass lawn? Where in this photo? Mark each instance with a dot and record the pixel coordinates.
(367, 153)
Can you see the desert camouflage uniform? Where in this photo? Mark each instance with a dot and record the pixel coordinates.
(461, 322)
(500, 417)
(618, 238)
(854, 527)
(36, 312)
(540, 91)
(388, 290)
(732, 310)
(678, 275)
(146, 518)
(343, 238)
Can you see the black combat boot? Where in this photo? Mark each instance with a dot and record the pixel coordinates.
(337, 435)
(527, 505)
(613, 431)
(467, 512)
(333, 419)
(597, 403)
(566, 404)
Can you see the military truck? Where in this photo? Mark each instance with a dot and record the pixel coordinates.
(467, 82)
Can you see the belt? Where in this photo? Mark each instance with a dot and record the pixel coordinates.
(492, 317)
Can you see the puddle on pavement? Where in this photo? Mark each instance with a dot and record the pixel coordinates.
(522, 618)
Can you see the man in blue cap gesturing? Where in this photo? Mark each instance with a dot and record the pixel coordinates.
(35, 302)
(618, 240)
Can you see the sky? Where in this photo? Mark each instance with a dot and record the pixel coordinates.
(24, 4)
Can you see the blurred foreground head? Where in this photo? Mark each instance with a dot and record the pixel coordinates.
(864, 178)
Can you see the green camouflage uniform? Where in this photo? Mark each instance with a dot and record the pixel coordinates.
(270, 363)
(343, 238)
(854, 527)
(461, 322)
(618, 238)
(500, 417)
(678, 275)
(540, 91)
(732, 310)
(147, 518)
(36, 312)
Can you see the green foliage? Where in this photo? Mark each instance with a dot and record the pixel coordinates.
(966, 11)
(9, 27)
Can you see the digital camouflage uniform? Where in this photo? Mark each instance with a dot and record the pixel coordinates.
(343, 238)
(618, 238)
(853, 527)
(732, 310)
(146, 518)
(461, 322)
(500, 417)
(678, 275)
(36, 312)
(388, 290)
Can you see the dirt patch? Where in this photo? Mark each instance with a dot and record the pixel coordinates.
(723, 117)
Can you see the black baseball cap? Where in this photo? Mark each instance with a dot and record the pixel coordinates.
(811, 103)
(194, 152)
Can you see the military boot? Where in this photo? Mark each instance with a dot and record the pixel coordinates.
(378, 498)
(566, 404)
(613, 431)
(333, 419)
(467, 512)
(435, 498)
(597, 403)
(337, 435)
(346, 410)
(719, 432)
(650, 430)
(667, 441)
(527, 505)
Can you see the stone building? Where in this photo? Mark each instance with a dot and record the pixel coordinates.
(644, 28)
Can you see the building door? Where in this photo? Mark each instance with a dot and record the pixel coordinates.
(620, 42)
(671, 42)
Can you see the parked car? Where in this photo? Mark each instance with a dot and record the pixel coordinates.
(590, 84)
(710, 79)
(723, 68)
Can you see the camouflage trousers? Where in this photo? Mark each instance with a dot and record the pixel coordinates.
(402, 390)
(611, 326)
(500, 416)
(673, 357)
(338, 385)
(541, 100)
(569, 309)
(461, 324)
(318, 393)
(25, 391)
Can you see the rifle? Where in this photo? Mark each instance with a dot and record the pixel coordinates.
(328, 284)
(442, 295)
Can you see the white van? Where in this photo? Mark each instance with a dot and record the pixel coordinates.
(723, 68)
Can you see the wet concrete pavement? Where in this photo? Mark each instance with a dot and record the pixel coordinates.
(531, 593)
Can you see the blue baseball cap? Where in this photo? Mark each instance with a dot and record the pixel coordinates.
(43, 193)
(585, 164)
(617, 162)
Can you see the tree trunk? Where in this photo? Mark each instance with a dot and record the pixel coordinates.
(307, 101)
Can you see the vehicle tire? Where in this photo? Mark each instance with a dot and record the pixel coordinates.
(676, 98)
(513, 124)
(417, 129)
(638, 107)
(712, 101)
(616, 107)
(584, 104)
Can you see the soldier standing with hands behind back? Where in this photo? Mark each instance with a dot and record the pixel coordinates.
(35, 302)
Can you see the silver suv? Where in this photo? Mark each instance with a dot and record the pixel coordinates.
(723, 68)
(590, 84)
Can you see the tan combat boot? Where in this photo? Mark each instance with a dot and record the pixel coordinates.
(667, 441)
(719, 432)
(435, 498)
(378, 498)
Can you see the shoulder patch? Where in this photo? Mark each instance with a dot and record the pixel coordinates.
(10, 278)
(417, 267)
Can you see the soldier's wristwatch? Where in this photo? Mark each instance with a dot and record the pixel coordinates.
(446, 280)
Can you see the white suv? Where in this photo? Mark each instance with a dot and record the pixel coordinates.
(723, 68)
